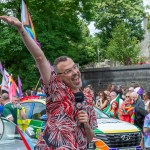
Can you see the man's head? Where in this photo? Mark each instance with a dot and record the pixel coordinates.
(15, 100)
(131, 89)
(4, 98)
(113, 95)
(134, 96)
(68, 72)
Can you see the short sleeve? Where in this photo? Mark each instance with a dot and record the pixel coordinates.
(6, 113)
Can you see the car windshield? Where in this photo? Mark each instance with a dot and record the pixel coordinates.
(100, 114)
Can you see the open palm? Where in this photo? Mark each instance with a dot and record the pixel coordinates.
(12, 21)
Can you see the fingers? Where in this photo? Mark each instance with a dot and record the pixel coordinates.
(82, 116)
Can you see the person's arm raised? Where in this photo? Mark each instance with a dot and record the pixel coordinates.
(34, 49)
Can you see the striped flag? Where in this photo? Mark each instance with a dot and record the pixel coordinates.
(27, 22)
(5, 81)
(20, 87)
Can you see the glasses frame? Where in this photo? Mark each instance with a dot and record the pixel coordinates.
(70, 70)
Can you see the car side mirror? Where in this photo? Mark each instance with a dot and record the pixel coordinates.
(30, 132)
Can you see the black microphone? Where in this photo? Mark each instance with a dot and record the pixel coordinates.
(79, 98)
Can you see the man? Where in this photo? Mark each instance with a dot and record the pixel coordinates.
(131, 89)
(146, 130)
(9, 110)
(21, 115)
(113, 96)
(67, 127)
(139, 108)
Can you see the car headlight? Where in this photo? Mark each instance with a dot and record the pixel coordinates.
(91, 145)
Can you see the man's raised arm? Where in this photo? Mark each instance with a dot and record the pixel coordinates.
(34, 49)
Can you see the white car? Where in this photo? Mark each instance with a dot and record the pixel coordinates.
(115, 134)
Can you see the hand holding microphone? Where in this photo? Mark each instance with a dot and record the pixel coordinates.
(82, 115)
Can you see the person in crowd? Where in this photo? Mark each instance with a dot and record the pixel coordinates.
(9, 110)
(102, 102)
(67, 126)
(146, 130)
(113, 96)
(113, 112)
(146, 100)
(126, 109)
(110, 88)
(131, 89)
(40, 93)
(89, 94)
(20, 111)
(33, 92)
(17, 105)
(139, 109)
(119, 90)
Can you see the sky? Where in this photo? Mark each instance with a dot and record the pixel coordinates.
(92, 28)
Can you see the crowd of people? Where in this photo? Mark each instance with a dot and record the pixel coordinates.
(130, 104)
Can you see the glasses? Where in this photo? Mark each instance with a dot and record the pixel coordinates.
(128, 96)
(69, 71)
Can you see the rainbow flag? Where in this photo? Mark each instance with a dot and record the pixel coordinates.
(27, 22)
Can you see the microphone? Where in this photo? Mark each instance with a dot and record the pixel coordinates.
(79, 98)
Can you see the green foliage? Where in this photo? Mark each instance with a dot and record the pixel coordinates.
(59, 29)
(110, 13)
(122, 47)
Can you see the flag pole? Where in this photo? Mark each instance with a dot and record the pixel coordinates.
(37, 84)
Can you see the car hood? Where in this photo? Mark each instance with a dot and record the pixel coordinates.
(115, 126)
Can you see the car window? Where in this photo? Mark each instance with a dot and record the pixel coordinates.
(39, 110)
(99, 114)
(10, 131)
(28, 108)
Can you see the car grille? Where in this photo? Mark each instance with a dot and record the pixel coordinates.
(121, 139)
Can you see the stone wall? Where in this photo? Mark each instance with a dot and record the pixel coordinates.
(126, 76)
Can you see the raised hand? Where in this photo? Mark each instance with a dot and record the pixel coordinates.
(12, 21)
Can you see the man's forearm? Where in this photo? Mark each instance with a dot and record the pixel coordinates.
(33, 48)
(89, 132)
(37, 54)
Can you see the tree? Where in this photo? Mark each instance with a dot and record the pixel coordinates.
(110, 13)
(122, 47)
(59, 30)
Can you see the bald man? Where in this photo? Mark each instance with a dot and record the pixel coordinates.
(9, 110)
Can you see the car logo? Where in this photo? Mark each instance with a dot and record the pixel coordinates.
(125, 137)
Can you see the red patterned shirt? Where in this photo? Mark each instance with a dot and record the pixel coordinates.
(62, 131)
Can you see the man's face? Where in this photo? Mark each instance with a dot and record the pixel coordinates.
(134, 97)
(112, 96)
(15, 100)
(70, 74)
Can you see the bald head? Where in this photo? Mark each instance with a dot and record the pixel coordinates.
(5, 97)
